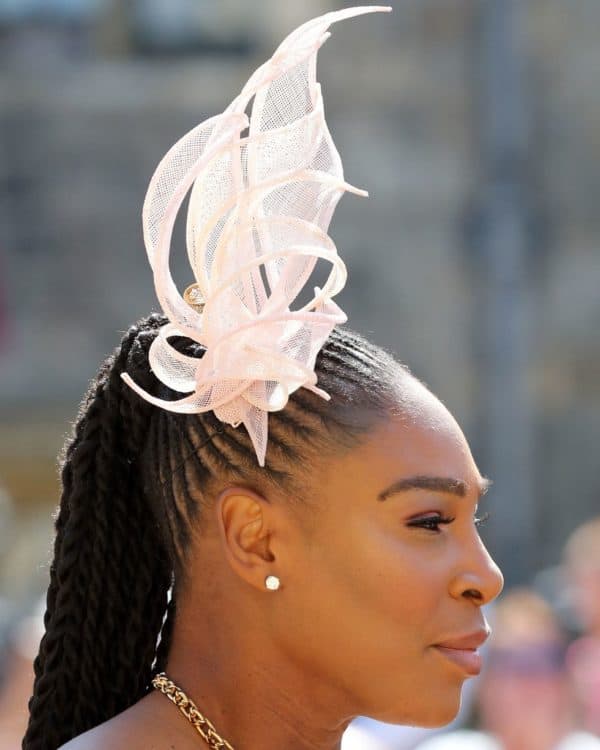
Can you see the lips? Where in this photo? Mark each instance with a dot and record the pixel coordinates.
(462, 650)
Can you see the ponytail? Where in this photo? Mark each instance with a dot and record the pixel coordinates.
(111, 572)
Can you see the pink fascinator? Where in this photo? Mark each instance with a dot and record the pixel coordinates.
(263, 190)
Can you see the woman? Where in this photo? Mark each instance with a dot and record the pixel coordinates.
(330, 571)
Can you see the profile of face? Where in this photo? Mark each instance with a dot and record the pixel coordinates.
(388, 565)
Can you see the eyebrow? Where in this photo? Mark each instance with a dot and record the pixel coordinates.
(436, 484)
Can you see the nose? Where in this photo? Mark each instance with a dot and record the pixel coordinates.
(478, 578)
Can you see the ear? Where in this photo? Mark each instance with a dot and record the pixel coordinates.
(245, 521)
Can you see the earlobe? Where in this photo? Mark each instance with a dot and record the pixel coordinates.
(244, 520)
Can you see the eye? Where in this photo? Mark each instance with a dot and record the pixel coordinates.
(430, 523)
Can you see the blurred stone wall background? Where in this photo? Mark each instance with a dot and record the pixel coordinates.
(91, 96)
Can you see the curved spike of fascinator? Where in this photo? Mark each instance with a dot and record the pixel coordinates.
(263, 191)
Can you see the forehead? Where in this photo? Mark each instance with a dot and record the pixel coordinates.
(421, 438)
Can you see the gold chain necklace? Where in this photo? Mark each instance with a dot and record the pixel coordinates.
(189, 709)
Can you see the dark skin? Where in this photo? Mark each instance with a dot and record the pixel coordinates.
(369, 584)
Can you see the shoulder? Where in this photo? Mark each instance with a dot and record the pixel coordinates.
(146, 725)
(111, 734)
(95, 739)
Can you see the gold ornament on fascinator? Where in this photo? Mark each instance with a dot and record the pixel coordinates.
(193, 296)
(263, 191)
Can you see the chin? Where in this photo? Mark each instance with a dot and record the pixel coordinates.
(432, 711)
(438, 718)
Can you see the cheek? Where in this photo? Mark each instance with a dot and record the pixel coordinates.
(381, 585)
(389, 583)
(370, 608)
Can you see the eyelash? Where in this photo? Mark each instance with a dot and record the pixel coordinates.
(437, 521)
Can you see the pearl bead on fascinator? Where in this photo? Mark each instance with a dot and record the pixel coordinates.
(264, 188)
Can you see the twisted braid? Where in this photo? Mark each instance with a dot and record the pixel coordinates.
(135, 480)
(109, 572)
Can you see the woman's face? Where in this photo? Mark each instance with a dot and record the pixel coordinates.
(380, 579)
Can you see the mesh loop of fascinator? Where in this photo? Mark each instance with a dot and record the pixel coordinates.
(263, 192)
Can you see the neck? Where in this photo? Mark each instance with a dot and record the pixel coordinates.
(253, 696)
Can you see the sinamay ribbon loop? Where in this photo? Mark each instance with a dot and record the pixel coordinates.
(263, 191)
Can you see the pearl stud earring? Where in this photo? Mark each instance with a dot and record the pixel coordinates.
(272, 583)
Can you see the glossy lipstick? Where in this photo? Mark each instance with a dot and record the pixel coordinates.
(462, 651)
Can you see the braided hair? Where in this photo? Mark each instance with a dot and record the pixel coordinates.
(135, 479)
